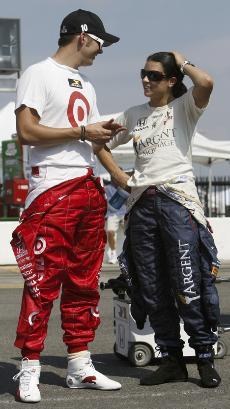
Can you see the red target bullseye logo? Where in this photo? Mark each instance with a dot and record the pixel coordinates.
(78, 108)
(40, 245)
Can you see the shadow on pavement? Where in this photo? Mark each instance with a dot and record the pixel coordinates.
(7, 371)
(51, 378)
(225, 319)
(108, 364)
(54, 361)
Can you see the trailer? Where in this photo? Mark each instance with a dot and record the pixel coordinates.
(138, 346)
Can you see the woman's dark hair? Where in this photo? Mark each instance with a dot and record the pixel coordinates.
(171, 69)
(65, 40)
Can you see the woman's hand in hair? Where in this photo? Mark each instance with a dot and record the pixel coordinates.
(180, 58)
(202, 81)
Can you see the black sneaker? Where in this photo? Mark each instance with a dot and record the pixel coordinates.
(205, 364)
(171, 369)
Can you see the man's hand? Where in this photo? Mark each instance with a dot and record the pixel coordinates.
(102, 132)
(114, 127)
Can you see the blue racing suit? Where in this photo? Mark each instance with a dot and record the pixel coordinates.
(172, 262)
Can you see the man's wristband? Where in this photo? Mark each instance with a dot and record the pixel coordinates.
(82, 135)
(183, 65)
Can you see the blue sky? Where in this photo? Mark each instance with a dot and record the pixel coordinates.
(199, 29)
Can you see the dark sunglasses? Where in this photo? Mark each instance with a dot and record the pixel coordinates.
(152, 75)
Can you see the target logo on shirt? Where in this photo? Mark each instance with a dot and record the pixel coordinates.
(78, 108)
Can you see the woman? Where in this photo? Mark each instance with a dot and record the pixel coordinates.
(170, 247)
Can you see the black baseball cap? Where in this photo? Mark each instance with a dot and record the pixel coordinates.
(85, 21)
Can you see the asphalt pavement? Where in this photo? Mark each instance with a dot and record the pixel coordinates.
(52, 382)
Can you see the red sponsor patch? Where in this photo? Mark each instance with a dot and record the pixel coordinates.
(35, 170)
(90, 379)
(17, 396)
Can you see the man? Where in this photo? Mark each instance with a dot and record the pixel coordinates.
(60, 241)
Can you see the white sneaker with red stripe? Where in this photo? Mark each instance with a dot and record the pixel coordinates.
(82, 374)
(28, 389)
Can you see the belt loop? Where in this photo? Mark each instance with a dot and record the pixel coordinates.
(151, 190)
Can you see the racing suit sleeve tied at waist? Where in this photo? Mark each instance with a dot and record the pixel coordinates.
(209, 270)
(127, 269)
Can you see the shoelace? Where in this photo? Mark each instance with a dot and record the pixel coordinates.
(91, 363)
(25, 375)
(158, 350)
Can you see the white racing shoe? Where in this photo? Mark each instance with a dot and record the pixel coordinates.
(28, 390)
(82, 374)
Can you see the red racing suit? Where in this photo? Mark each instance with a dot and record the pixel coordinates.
(60, 245)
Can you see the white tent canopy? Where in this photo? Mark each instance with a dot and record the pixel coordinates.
(206, 151)
(7, 122)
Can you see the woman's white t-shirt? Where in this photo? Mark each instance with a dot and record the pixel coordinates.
(162, 139)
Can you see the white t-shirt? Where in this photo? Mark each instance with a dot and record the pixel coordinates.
(63, 98)
(162, 139)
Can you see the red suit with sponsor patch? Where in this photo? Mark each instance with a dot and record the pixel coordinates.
(60, 242)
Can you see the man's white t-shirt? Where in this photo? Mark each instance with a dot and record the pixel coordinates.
(63, 98)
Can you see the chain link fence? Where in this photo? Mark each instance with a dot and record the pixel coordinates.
(217, 201)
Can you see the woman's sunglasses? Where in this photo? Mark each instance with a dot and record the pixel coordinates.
(152, 75)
